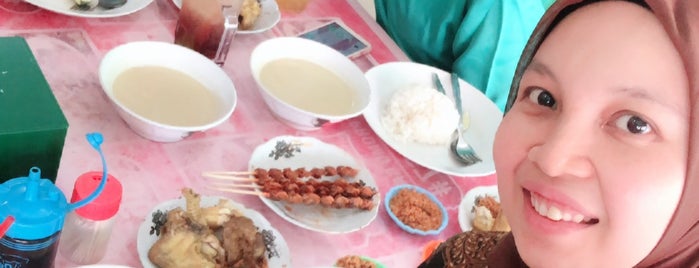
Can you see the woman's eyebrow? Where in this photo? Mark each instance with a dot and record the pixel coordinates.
(542, 69)
(643, 94)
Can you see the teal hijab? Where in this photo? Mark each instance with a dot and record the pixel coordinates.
(480, 40)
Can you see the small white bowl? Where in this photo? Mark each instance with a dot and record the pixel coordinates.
(314, 52)
(179, 58)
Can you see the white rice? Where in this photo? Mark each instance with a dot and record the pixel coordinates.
(420, 114)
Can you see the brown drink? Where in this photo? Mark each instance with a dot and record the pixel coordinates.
(207, 27)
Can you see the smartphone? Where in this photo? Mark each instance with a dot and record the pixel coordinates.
(340, 37)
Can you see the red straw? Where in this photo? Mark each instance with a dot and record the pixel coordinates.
(6, 225)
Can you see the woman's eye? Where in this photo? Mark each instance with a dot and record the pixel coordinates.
(633, 124)
(542, 97)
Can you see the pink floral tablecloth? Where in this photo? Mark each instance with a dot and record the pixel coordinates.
(68, 50)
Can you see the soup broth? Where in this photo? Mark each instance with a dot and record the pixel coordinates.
(308, 86)
(166, 96)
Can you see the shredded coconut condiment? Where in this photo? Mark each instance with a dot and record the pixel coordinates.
(416, 210)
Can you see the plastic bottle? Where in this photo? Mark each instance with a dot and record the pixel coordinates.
(35, 208)
(87, 230)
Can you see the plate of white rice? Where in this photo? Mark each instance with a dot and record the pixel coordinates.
(414, 119)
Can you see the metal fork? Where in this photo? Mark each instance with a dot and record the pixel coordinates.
(461, 149)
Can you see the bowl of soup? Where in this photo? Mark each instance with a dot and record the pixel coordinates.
(165, 92)
(307, 84)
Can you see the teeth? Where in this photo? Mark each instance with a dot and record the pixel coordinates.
(567, 217)
(542, 209)
(554, 213)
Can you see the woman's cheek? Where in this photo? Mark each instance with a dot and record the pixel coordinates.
(509, 143)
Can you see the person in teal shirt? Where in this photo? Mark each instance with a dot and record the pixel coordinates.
(480, 40)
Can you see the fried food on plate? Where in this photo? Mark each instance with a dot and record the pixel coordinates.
(216, 236)
(488, 216)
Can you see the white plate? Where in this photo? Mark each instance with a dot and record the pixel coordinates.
(485, 117)
(65, 7)
(146, 240)
(269, 17)
(465, 214)
(315, 153)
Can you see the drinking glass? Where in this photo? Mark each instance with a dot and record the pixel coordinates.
(208, 27)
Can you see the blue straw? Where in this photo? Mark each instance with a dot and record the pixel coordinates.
(95, 139)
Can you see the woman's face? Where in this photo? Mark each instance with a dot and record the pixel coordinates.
(591, 158)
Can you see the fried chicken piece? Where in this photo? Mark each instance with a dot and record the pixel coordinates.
(352, 261)
(210, 237)
(213, 216)
(488, 216)
(483, 219)
(244, 245)
(185, 244)
(490, 203)
(249, 13)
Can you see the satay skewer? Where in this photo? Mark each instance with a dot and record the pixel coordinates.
(237, 191)
(234, 185)
(226, 175)
(284, 194)
(291, 173)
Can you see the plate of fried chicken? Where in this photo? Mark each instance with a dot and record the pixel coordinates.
(209, 231)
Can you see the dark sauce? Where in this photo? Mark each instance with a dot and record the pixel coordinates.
(19, 253)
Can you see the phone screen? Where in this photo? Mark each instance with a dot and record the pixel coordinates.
(337, 37)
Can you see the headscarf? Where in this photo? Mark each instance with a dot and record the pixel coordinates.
(679, 245)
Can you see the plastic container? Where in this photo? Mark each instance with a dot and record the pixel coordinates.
(87, 230)
(32, 215)
(37, 208)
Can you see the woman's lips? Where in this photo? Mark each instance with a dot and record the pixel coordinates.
(555, 212)
(552, 217)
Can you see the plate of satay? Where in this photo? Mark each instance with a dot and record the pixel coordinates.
(208, 231)
(310, 183)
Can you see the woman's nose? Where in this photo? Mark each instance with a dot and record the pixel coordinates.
(563, 152)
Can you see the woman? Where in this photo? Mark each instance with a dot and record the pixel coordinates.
(596, 156)
(480, 40)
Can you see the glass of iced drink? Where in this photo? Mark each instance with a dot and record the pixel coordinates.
(208, 27)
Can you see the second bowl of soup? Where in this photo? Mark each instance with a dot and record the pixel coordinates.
(307, 84)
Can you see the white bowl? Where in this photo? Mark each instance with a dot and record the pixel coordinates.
(149, 53)
(314, 52)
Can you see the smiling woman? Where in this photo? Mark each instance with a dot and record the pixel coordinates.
(593, 142)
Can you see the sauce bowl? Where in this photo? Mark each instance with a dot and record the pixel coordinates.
(283, 99)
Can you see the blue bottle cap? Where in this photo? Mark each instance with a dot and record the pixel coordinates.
(37, 205)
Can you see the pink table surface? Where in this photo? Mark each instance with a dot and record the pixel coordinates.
(68, 50)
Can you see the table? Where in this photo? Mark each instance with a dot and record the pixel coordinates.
(68, 50)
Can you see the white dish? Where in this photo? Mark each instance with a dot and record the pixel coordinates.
(175, 57)
(289, 112)
(467, 202)
(146, 240)
(65, 7)
(485, 117)
(315, 153)
(269, 17)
